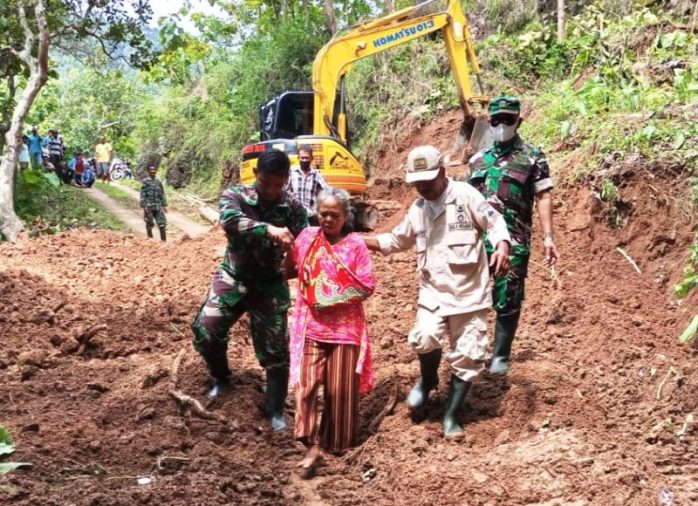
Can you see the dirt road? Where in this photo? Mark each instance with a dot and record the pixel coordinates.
(178, 223)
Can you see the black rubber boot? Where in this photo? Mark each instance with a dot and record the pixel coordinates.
(149, 231)
(456, 393)
(163, 235)
(277, 388)
(504, 332)
(217, 364)
(429, 369)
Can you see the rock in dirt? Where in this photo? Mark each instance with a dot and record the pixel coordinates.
(32, 427)
(28, 372)
(98, 387)
(43, 316)
(145, 414)
(34, 357)
(56, 340)
(153, 377)
(502, 438)
(69, 347)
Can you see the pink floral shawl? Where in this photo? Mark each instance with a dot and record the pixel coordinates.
(343, 324)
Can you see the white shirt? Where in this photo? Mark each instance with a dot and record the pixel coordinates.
(451, 257)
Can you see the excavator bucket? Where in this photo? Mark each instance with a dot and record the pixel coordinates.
(475, 132)
(480, 138)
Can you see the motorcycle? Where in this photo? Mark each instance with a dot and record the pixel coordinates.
(119, 170)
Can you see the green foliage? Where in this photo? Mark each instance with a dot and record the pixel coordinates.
(508, 15)
(630, 90)
(411, 81)
(88, 103)
(690, 332)
(204, 120)
(690, 273)
(47, 207)
(7, 446)
(609, 191)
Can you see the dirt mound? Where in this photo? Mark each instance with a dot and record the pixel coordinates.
(596, 409)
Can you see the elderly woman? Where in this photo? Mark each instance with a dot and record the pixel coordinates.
(329, 336)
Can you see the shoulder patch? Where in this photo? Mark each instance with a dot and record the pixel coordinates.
(486, 209)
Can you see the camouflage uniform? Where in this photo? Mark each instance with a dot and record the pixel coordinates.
(509, 177)
(249, 280)
(152, 201)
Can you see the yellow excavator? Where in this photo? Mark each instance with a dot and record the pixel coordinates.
(319, 118)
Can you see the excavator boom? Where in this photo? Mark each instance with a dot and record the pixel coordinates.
(286, 120)
(334, 60)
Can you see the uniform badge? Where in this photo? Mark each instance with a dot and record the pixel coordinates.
(461, 222)
(420, 164)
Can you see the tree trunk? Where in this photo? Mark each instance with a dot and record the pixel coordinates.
(7, 111)
(560, 19)
(10, 224)
(330, 19)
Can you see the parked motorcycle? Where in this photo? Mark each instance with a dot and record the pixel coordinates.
(119, 170)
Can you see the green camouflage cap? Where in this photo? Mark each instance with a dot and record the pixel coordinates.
(504, 104)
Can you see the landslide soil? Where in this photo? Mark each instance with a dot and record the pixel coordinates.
(596, 409)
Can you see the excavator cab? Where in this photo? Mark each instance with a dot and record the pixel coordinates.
(286, 124)
(291, 114)
(286, 116)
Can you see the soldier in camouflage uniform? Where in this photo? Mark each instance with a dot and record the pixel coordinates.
(154, 204)
(512, 175)
(261, 222)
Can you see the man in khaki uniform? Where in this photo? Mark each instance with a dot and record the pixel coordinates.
(447, 225)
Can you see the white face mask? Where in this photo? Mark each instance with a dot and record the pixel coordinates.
(502, 132)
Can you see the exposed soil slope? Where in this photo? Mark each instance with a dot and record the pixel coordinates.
(595, 411)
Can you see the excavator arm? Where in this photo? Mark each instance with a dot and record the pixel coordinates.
(335, 59)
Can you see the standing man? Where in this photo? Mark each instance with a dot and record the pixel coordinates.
(512, 175)
(54, 144)
(305, 183)
(104, 155)
(35, 152)
(447, 224)
(23, 157)
(261, 221)
(154, 203)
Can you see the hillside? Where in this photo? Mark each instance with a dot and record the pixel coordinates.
(597, 410)
(600, 405)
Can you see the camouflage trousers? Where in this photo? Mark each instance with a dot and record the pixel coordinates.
(508, 291)
(152, 215)
(266, 303)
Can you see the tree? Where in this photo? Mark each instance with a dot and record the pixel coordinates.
(330, 18)
(30, 32)
(560, 19)
(90, 102)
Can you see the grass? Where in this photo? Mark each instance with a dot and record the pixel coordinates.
(53, 210)
(119, 195)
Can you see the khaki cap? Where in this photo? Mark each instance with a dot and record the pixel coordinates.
(423, 164)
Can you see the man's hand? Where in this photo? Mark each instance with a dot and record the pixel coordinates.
(551, 254)
(500, 259)
(371, 243)
(281, 236)
(164, 209)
